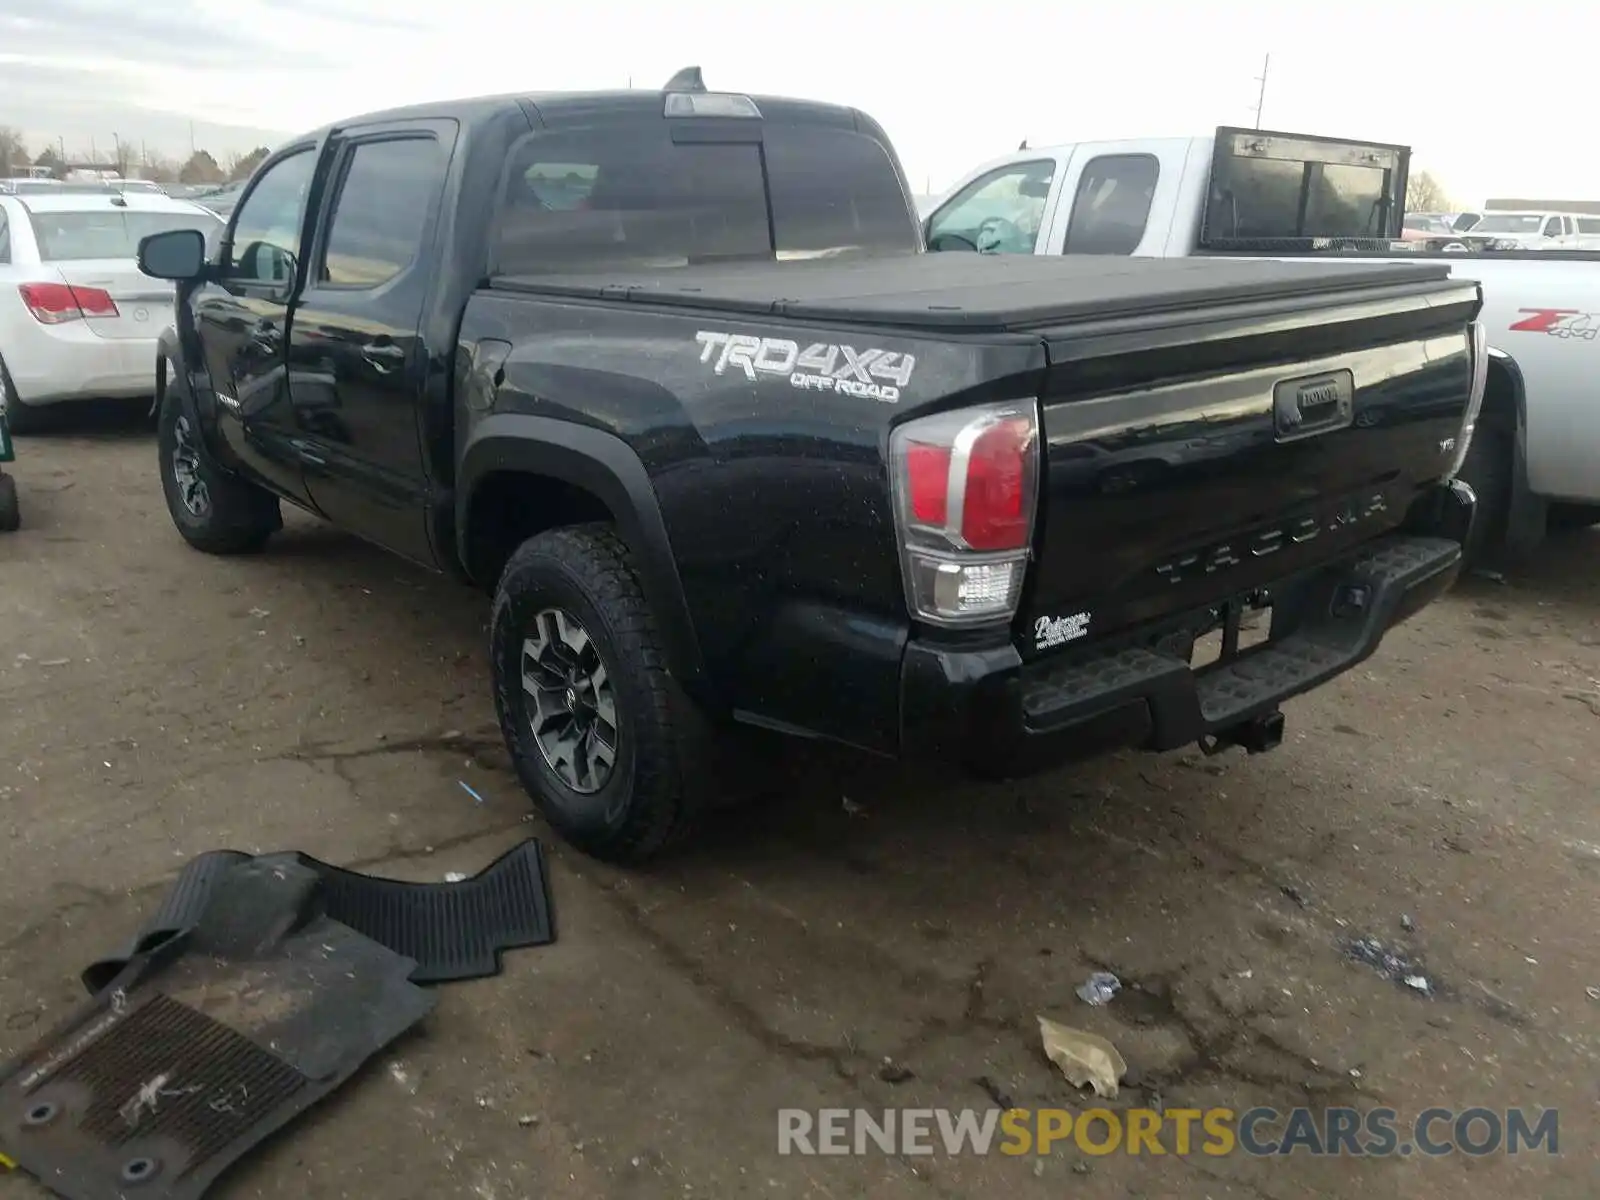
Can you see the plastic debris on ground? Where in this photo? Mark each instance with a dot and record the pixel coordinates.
(1391, 962)
(1086, 1059)
(1099, 988)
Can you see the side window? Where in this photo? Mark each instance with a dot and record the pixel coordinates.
(997, 213)
(5, 240)
(1112, 205)
(381, 214)
(1589, 224)
(266, 231)
(1552, 227)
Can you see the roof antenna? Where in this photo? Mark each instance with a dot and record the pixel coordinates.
(686, 80)
(1024, 145)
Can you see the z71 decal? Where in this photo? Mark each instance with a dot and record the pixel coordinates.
(871, 374)
(1559, 322)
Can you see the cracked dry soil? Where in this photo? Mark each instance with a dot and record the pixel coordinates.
(892, 950)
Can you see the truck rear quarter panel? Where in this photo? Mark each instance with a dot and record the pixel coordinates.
(773, 487)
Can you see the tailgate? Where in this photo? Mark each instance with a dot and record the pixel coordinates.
(1189, 465)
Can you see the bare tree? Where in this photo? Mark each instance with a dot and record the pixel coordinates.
(13, 154)
(160, 170)
(244, 165)
(1424, 193)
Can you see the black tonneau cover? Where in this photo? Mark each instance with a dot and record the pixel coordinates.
(975, 292)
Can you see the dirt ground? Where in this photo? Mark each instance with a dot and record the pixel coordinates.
(863, 927)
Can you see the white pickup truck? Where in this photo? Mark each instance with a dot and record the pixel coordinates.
(1535, 457)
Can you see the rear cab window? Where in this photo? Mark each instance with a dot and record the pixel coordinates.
(628, 195)
(108, 233)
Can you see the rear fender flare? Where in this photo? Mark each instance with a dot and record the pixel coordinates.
(1527, 521)
(607, 467)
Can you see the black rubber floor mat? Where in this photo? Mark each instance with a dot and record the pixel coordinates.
(454, 931)
(205, 1043)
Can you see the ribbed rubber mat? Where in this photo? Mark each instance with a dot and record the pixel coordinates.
(454, 931)
(171, 1072)
(205, 1043)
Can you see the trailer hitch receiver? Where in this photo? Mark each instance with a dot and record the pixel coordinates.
(1256, 736)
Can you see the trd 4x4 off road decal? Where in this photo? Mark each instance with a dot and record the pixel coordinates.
(871, 374)
(1558, 322)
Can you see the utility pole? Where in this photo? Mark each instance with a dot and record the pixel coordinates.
(191, 139)
(1261, 96)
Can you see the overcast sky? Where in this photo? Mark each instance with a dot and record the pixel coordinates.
(1491, 106)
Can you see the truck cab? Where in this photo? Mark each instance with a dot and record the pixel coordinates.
(1253, 193)
(1171, 197)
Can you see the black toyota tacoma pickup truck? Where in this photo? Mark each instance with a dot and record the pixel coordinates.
(671, 374)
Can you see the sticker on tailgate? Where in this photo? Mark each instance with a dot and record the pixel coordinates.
(870, 374)
(1558, 322)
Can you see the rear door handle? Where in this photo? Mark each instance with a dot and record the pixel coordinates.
(383, 358)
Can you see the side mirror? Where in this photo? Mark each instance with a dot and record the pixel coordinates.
(177, 254)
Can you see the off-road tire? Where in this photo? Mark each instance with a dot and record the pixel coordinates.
(659, 782)
(20, 418)
(10, 508)
(1488, 471)
(238, 518)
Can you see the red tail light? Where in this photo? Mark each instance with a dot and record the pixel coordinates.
(965, 485)
(58, 303)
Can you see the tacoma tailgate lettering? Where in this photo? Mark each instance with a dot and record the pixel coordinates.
(870, 374)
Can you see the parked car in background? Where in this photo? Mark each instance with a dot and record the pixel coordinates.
(1432, 230)
(220, 200)
(1535, 460)
(1528, 231)
(77, 318)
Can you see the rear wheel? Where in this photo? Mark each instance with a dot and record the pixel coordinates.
(10, 509)
(214, 511)
(20, 418)
(602, 738)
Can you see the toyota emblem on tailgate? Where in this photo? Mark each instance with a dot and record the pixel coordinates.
(1313, 404)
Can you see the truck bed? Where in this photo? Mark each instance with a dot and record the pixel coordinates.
(973, 293)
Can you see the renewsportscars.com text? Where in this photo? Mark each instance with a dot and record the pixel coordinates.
(1260, 1132)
